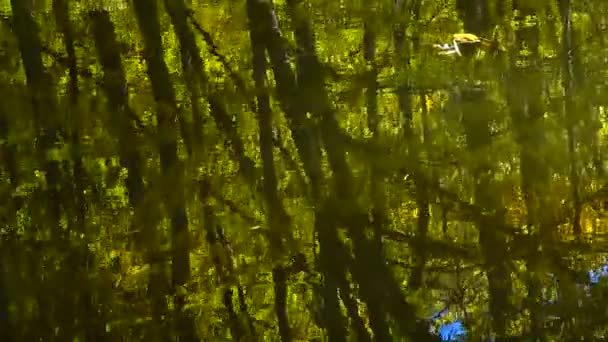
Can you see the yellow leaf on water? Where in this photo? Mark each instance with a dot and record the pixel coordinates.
(430, 104)
(466, 37)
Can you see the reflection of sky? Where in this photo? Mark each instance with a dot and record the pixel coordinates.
(595, 275)
(452, 331)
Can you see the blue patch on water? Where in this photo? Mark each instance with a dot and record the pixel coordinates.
(452, 331)
(597, 274)
(456, 331)
(449, 331)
